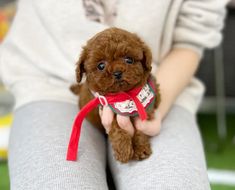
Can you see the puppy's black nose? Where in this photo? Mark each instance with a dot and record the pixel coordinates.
(117, 74)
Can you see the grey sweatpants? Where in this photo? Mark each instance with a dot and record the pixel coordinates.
(39, 139)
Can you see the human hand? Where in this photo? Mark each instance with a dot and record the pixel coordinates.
(150, 128)
(107, 116)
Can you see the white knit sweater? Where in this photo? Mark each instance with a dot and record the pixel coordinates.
(37, 59)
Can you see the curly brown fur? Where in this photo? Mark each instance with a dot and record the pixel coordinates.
(141, 146)
(121, 143)
(105, 56)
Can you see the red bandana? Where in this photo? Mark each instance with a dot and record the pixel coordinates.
(135, 102)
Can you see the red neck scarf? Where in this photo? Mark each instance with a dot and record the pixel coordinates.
(102, 100)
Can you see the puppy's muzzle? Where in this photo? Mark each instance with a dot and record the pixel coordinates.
(117, 75)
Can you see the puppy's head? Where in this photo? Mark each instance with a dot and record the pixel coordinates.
(114, 60)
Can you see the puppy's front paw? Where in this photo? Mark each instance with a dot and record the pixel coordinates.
(124, 151)
(142, 152)
(122, 144)
(141, 145)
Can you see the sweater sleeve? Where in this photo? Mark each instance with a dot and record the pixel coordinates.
(199, 24)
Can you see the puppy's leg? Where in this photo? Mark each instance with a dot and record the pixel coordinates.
(121, 143)
(141, 145)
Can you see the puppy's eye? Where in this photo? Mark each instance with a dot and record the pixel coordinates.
(101, 65)
(128, 60)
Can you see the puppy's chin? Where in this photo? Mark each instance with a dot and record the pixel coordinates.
(120, 86)
(113, 86)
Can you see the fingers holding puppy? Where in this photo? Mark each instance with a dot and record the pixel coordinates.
(150, 128)
(107, 116)
(125, 123)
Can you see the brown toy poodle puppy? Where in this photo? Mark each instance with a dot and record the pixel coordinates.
(115, 60)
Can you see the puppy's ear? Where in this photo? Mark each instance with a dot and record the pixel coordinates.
(147, 58)
(80, 65)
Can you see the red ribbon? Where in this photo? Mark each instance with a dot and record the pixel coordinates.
(103, 100)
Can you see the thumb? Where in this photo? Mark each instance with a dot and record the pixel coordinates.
(106, 116)
(138, 123)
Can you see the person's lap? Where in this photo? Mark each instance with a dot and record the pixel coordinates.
(38, 145)
(177, 161)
